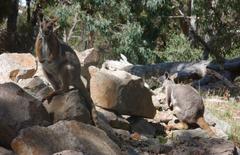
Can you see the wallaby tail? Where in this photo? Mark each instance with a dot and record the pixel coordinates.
(204, 125)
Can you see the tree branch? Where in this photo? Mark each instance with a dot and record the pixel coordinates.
(75, 21)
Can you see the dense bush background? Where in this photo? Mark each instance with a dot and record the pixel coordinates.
(146, 31)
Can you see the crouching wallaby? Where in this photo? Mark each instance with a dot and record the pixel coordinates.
(186, 104)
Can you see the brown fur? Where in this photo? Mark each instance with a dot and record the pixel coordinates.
(60, 64)
(204, 125)
(62, 68)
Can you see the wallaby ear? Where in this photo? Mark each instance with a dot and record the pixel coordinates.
(174, 76)
(166, 75)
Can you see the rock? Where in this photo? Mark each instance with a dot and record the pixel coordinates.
(186, 144)
(89, 57)
(18, 110)
(196, 141)
(188, 134)
(123, 133)
(159, 98)
(69, 106)
(16, 66)
(37, 88)
(4, 151)
(220, 124)
(64, 135)
(164, 116)
(197, 131)
(121, 92)
(238, 151)
(142, 126)
(114, 120)
(69, 152)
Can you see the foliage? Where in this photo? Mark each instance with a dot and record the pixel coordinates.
(143, 30)
(179, 49)
(130, 29)
(130, 43)
(234, 53)
(219, 20)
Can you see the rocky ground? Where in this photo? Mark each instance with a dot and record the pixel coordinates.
(132, 117)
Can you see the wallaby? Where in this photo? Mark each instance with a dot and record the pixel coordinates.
(60, 63)
(186, 103)
(61, 67)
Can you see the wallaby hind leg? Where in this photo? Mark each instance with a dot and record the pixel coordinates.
(204, 125)
(180, 126)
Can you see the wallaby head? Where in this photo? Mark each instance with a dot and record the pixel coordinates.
(168, 81)
(47, 27)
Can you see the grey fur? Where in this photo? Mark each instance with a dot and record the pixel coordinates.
(184, 100)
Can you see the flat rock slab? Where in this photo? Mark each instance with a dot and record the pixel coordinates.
(220, 124)
(195, 142)
(64, 135)
(18, 110)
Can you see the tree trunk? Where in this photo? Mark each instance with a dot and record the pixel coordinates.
(12, 17)
(91, 40)
(12, 25)
(28, 11)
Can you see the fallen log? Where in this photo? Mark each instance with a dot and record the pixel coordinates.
(229, 70)
(185, 69)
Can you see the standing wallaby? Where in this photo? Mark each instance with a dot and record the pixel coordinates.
(186, 104)
(62, 68)
(60, 63)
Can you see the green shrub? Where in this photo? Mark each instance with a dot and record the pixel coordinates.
(178, 48)
(130, 43)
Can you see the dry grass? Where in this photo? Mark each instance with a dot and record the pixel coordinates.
(228, 111)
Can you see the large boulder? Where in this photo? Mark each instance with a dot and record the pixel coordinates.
(15, 66)
(69, 106)
(121, 92)
(64, 135)
(18, 110)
